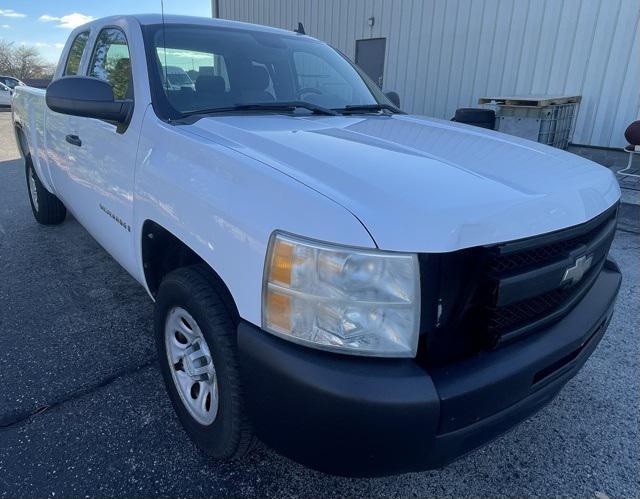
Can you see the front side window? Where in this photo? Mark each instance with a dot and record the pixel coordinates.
(110, 62)
(75, 54)
(208, 68)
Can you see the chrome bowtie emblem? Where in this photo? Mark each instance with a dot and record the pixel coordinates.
(577, 271)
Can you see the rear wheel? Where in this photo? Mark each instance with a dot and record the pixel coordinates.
(196, 340)
(47, 208)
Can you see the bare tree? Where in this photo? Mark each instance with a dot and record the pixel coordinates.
(6, 49)
(23, 62)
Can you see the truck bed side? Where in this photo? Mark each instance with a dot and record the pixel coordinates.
(29, 116)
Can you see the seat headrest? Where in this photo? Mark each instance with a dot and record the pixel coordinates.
(255, 78)
(210, 84)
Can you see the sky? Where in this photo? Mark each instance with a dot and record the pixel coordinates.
(46, 24)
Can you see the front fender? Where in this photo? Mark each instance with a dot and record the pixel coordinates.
(225, 205)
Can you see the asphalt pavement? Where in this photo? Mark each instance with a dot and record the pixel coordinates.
(83, 410)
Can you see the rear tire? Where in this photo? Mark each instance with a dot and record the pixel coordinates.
(188, 295)
(47, 209)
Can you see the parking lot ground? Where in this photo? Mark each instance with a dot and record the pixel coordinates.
(83, 410)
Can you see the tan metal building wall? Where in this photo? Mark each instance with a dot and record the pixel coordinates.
(445, 54)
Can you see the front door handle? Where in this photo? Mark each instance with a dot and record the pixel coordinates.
(73, 140)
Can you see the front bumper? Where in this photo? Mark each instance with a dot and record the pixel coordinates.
(356, 416)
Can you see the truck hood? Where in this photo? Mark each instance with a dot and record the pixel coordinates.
(421, 184)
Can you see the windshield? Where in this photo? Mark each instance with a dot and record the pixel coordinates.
(233, 67)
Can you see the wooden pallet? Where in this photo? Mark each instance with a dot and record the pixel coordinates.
(530, 100)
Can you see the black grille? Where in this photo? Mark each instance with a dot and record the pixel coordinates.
(483, 297)
(532, 271)
(539, 255)
(523, 312)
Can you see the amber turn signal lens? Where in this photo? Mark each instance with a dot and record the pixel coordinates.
(281, 263)
(279, 311)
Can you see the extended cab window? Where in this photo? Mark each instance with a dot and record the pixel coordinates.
(110, 62)
(75, 54)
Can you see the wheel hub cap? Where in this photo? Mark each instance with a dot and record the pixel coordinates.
(191, 366)
(197, 364)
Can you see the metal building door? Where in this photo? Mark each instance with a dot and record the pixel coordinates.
(370, 57)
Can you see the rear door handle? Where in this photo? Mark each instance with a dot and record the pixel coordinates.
(73, 140)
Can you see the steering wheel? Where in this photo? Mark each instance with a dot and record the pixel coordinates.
(308, 90)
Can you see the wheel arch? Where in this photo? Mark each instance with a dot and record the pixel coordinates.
(21, 139)
(162, 252)
(40, 165)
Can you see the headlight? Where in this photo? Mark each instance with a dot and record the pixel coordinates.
(362, 302)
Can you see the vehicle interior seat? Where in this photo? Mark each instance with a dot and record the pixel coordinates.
(210, 91)
(253, 85)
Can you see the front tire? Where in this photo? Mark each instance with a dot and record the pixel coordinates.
(47, 208)
(196, 342)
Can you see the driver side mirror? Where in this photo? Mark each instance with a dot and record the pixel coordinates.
(87, 97)
(394, 98)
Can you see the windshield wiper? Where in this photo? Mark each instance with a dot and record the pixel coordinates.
(266, 106)
(365, 108)
(286, 106)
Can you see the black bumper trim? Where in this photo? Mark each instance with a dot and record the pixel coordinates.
(370, 417)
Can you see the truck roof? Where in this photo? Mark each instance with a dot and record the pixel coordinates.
(146, 19)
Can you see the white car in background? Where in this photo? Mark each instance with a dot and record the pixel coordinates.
(5, 95)
(176, 78)
(11, 82)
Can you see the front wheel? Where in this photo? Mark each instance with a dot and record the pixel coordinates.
(196, 341)
(47, 208)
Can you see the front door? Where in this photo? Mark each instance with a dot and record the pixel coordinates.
(102, 175)
(61, 128)
(370, 58)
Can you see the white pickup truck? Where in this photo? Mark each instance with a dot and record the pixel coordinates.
(367, 291)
